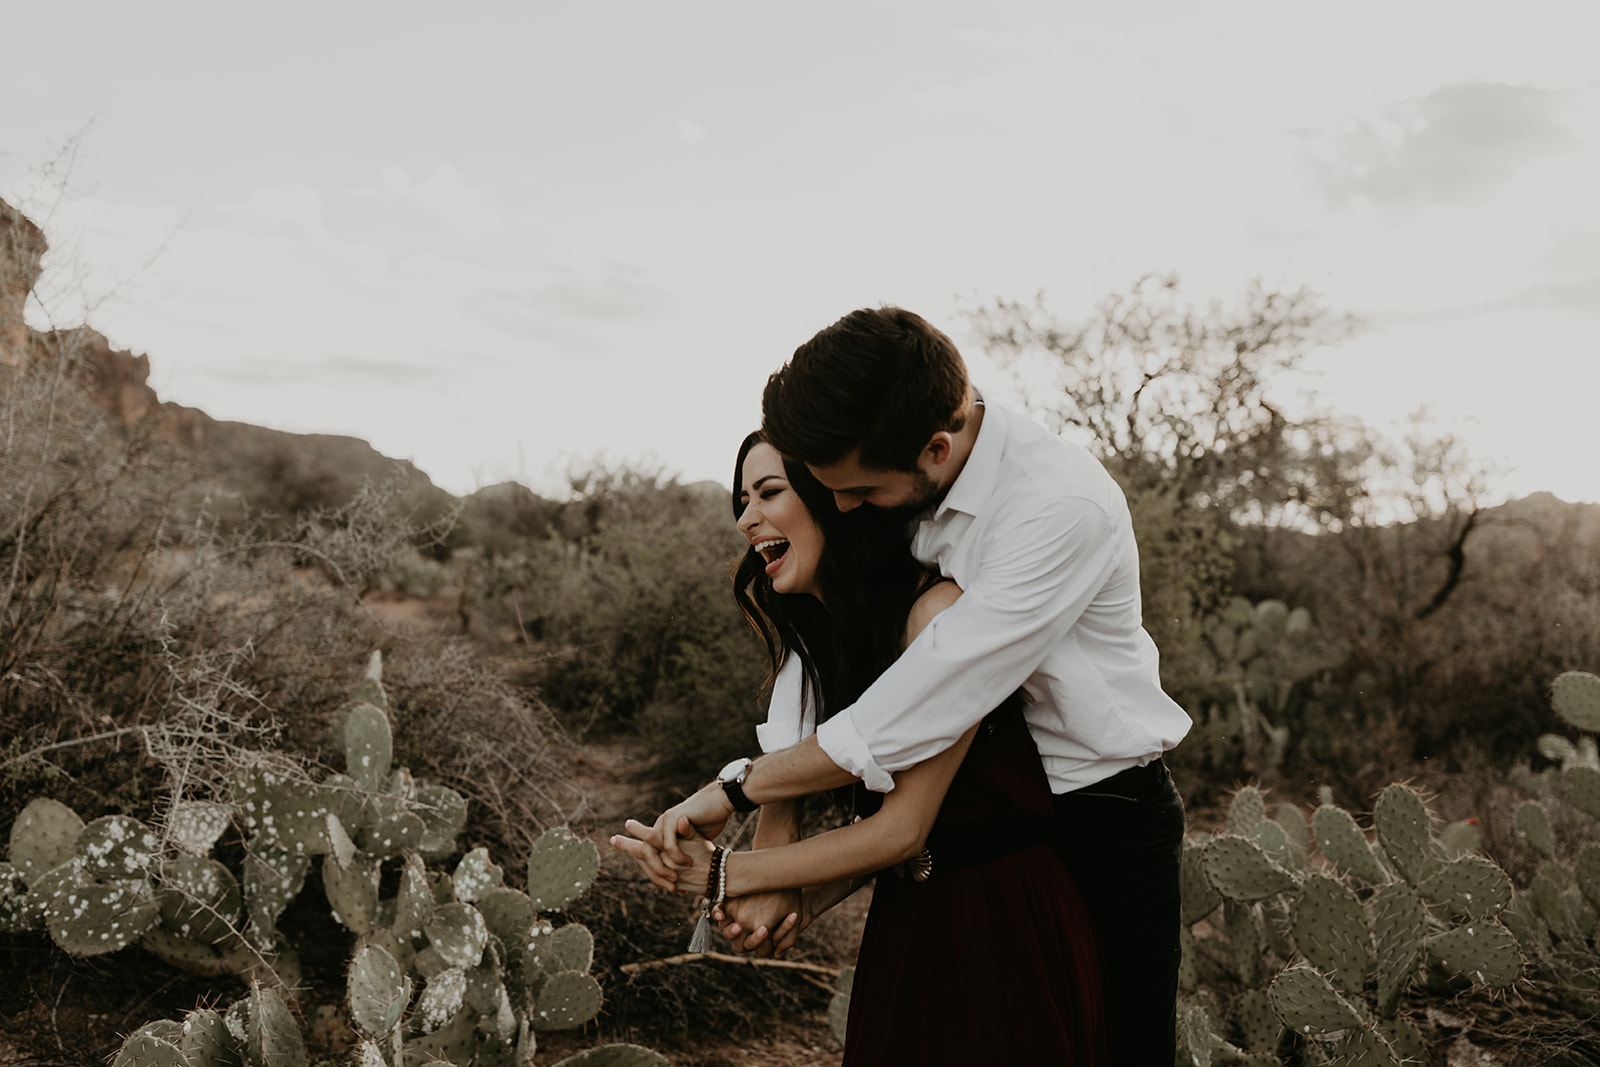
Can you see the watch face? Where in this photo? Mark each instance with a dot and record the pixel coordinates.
(734, 772)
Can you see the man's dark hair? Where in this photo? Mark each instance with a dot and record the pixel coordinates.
(883, 380)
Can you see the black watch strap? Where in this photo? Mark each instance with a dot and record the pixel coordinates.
(736, 797)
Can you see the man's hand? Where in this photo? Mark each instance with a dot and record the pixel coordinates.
(764, 923)
(704, 814)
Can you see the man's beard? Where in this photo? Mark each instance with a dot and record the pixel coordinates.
(926, 496)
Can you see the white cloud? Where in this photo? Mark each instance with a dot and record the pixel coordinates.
(1459, 144)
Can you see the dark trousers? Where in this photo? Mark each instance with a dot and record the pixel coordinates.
(1122, 839)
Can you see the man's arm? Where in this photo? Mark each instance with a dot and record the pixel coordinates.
(1041, 567)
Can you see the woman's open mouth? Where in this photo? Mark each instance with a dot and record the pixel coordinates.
(773, 552)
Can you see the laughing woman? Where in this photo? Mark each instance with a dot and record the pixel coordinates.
(977, 947)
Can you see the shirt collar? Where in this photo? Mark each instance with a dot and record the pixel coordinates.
(976, 483)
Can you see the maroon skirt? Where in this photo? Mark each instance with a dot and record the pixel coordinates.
(996, 960)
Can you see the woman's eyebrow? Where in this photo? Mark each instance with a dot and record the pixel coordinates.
(762, 480)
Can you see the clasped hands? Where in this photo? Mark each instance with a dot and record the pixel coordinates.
(675, 854)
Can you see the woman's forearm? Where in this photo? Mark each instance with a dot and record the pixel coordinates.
(838, 855)
(894, 833)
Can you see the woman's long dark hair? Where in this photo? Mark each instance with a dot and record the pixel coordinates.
(868, 580)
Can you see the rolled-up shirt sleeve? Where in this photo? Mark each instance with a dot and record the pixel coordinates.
(1038, 574)
(788, 720)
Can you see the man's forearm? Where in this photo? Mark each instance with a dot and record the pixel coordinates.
(777, 824)
(794, 772)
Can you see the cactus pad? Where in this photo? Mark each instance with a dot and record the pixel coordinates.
(1549, 885)
(282, 811)
(144, 1049)
(200, 899)
(44, 837)
(1586, 870)
(206, 1042)
(459, 934)
(271, 1035)
(456, 1042)
(1293, 821)
(1366, 1047)
(1406, 1040)
(444, 814)
(195, 825)
(1400, 924)
(1246, 811)
(1195, 1036)
(1259, 1028)
(1405, 831)
(1533, 823)
(395, 830)
(476, 875)
(1460, 838)
(1345, 846)
(1308, 1004)
(484, 989)
(370, 691)
(1576, 697)
(1583, 790)
(441, 999)
(13, 900)
(368, 745)
(413, 903)
(1245, 939)
(352, 892)
(560, 867)
(1240, 870)
(566, 999)
(568, 948)
(1470, 886)
(378, 992)
(1275, 843)
(1331, 930)
(1199, 898)
(117, 847)
(345, 799)
(1482, 952)
(509, 915)
(94, 918)
(272, 878)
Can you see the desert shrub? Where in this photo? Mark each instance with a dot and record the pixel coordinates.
(630, 598)
(118, 583)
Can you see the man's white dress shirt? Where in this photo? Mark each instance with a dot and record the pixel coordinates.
(1038, 536)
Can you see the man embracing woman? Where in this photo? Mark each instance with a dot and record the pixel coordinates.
(949, 598)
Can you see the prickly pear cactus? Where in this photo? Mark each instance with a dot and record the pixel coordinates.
(1345, 936)
(454, 966)
(1555, 921)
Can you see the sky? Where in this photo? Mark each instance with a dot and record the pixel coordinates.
(505, 240)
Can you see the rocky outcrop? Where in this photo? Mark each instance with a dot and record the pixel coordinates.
(266, 469)
(117, 381)
(22, 248)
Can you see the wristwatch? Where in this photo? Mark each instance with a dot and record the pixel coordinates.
(731, 779)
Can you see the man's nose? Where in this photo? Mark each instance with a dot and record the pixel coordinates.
(846, 502)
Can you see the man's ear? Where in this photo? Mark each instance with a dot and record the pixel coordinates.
(940, 447)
